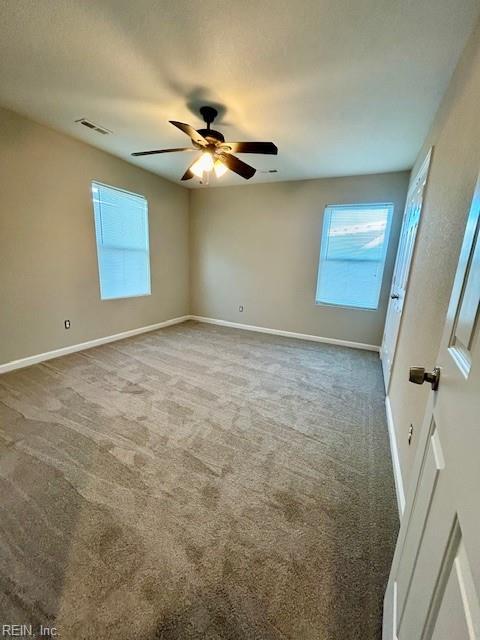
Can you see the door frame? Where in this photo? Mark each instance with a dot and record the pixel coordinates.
(422, 174)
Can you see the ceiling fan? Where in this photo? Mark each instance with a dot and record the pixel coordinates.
(216, 153)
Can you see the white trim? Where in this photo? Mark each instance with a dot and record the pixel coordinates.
(422, 174)
(48, 355)
(287, 334)
(397, 471)
(389, 625)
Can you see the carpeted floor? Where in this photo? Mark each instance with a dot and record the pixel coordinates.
(197, 482)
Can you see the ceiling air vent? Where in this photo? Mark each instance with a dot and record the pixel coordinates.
(95, 127)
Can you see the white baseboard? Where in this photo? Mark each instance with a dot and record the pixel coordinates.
(287, 334)
(397, 471)
(57, 353)
(48, 355)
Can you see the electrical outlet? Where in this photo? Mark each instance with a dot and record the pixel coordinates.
(67, 324)
(410, 434)
(241, 308)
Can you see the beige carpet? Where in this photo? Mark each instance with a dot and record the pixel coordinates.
(197, 482)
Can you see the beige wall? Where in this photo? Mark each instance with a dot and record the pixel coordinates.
(258, 245)
(454, 170)
(48, 262)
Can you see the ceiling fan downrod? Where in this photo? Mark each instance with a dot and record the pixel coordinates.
(208, 114)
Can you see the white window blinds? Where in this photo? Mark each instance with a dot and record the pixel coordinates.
(352, 254)
(121, 228)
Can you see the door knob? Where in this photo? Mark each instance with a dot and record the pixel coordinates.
(418, 375)
(394, 296)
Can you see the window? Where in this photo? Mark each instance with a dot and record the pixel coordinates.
(121, 228)
(352, 254)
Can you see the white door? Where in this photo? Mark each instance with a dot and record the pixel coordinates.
(434, 585)
(406, 245)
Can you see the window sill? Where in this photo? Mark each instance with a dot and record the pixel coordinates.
(138, 295)
(344, 306)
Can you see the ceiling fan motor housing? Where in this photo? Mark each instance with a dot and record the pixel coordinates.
(208, 114)
(211, 133)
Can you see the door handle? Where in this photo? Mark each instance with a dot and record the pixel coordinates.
(418, 375)
(394, 296)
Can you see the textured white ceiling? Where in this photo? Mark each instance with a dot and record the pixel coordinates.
(342, 87)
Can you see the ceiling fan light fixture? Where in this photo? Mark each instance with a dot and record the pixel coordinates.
(202, 165)
(219, 168)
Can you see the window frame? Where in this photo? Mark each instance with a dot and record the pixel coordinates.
(98, 183)
(327, 215)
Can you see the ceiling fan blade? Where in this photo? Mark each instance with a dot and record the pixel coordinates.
(151, 153)
(190, 131)
(251, 147)
(236, 165)
(188, 175)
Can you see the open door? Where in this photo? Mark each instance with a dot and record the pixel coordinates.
(434, 585)
(406, 245)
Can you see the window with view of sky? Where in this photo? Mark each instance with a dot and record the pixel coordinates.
(352, 255)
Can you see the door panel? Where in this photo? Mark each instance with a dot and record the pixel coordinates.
(466, 311)
(455, 614)
(432, 465)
